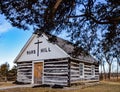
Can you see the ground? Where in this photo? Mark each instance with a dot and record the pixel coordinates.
(104, 86)
(4, 84)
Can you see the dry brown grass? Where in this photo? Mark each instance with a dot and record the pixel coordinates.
(114, 79)
(102, 87)
(6, 84)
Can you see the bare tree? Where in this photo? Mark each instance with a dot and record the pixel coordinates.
(118, 65)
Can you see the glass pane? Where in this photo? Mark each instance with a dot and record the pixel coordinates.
(81, 69)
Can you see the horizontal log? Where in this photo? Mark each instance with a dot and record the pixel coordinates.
(87, 74)
(24, 70)
(48, 74)
(24, 66)
(75, 78)
(58, 59)
(24, 80)
(24, 73)
(51, 83)
(56, 62)
(55, 80)
(87, 69)
(24, 76)
(56, 65)
(96, 73)
(87, 66)
(75, 75)
(57, 68)
(76, 71)
(28, 73)
(56, 73)
(54, 76)
(76, 63)
(73, 67)
(30, 68)
(19, 67)
(24, 62)
(96, 67)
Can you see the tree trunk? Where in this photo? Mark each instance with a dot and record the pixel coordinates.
(109, 73)
(104, 71)
(117, 69)
(101, 73)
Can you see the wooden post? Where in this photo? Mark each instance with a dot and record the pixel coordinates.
(69, 64)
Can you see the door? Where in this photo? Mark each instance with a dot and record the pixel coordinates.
(38, 70)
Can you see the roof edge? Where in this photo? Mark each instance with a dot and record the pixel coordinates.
(24, 47)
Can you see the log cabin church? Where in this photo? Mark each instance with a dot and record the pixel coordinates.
(42, 61)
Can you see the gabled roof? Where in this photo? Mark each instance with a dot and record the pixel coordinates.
(67, 46)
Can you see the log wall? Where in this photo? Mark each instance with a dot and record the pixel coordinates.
(56, 72)
(75, 75)
(24, 72)
(87, 72)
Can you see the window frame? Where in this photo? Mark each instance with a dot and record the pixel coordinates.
(93, 70)
(81, 76)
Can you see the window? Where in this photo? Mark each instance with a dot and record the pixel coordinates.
(93, 70)
(81, 69)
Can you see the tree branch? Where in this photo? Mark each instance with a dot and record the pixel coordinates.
(109, 21)
(56, 6)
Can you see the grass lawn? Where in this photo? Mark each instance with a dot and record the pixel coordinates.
(102, 87)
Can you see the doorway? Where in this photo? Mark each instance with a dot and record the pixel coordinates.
(38, 72)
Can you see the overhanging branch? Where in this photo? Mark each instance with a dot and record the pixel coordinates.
(107, 21)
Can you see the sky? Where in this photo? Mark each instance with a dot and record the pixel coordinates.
(12, 40)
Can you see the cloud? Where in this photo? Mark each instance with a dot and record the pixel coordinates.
(4, 24)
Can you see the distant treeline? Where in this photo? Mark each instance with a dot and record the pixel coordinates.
(7, 74)
(104, 76)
